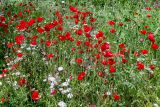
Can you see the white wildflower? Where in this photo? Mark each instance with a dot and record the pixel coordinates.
(68, 80)
(44, 80)
(70, 95)
(28, 48)
(62, 104)
(60, 89)
(66, 91)
(60, 69)
(17, 73)
(65, 84)
(15, 85)
(72, 61)
(51, 79)
(155, 105)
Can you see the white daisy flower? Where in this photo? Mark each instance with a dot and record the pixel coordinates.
(60, 69)
(62, 104)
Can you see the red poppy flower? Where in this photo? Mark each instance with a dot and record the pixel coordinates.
(143, 32)
(112, 69)
(19, 39)
(99, 34)
(101, 74)
(81, 52)
(68, 35)
(39, 19)
(55, 23)
(104, 62)
(124, 60)
(53, 92)
(152, 67)
(112, 30)
(35, 95)
(73, 9)
(148, 8)
(105, 46)
(33, 43)
(48, 43)
(81, 76)
(87, 28)
(140, 66)
(5, 70)
(49, 26)
(20, 14)
(50, 56)
(151, 37)
(111, 23)
(10, 45)
(79, 60)
(73, 49)
(155, 46)
(116, 97)
(122, 45)
(3, 99)
(31, 22)
(40, 30)
(111, 61)
(108, 54)
(60, 28)
(62, 38)
(97, 56)
(20, 55)
(92, 20)
(22, 25)
(22, 81)
(88, 35)
(120, 24)
(79, 42)
(87, 43)
(79, 32)
(146, 27)
(144, 51)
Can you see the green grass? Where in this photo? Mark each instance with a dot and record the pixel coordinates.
(136, 88)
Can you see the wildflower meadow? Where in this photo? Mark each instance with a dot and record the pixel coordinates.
(79, 53)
